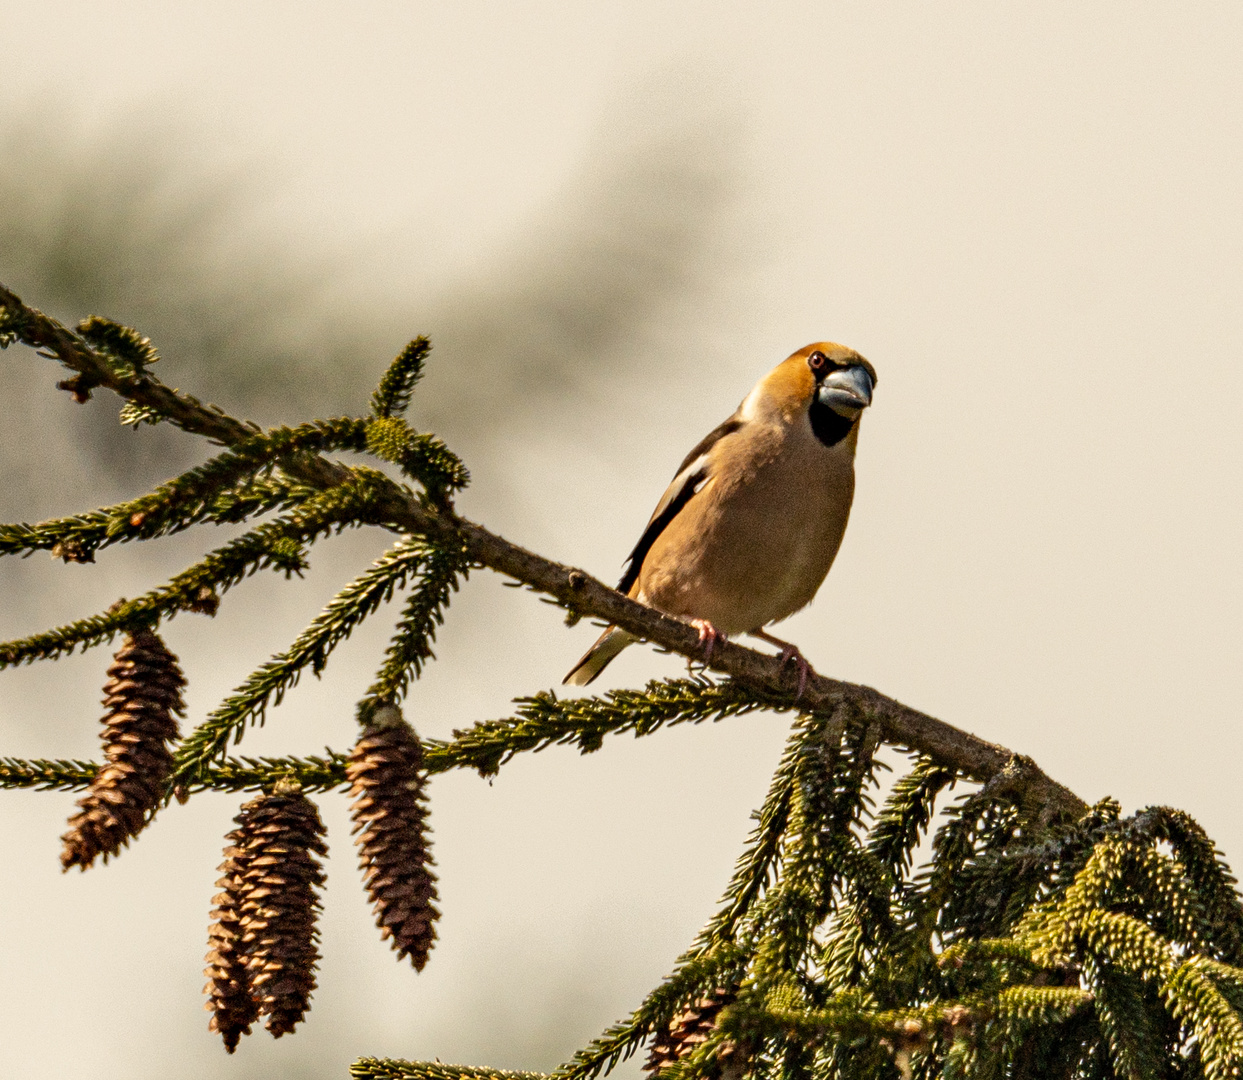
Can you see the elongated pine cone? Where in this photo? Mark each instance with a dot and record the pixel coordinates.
(390, 818)
(687, 1031)
(142, 697)
(262, 943)
(228, 982)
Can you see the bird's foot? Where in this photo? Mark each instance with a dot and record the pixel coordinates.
(789, 652)
(709, 635)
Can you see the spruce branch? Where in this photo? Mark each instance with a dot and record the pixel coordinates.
(1205, 869)
(755, 867)
(312, 772)
(763, 674)
(19, 322)
(277, 544)
(1135, 1037)
(411, 646)
(547, 720)
(845, 1019)
(1199, 1005)
(767, 681)
(423, 457)
(78, 537)
(186, 499)
(821, 856)
(43, 774)
(1041, 938)
(392, 396)
(230, 487)
(907, 814)
(128, 350)
(695, 976)
(269, 683)
(541, 722)
(377, 1069)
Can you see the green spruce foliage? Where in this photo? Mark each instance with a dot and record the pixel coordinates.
(923, 925)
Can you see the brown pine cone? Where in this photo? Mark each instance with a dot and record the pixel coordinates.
(142, 698)
(687, 1031)
(228, 987)
(390, 816)
(279, 879)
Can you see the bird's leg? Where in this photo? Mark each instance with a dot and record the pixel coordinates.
(709, 635)
(788, 652)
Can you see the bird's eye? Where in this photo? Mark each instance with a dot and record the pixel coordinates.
(817, 361)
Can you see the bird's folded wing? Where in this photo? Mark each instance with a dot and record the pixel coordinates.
(692, 474)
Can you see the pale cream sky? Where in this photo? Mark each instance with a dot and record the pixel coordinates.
(1027, 216)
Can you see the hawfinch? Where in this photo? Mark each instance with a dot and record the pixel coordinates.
(748, 529)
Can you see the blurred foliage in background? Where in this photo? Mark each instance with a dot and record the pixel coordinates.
(129, 223)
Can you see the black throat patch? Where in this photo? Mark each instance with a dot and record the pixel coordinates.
(828, 426)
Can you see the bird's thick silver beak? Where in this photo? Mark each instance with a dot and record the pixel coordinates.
(848, 391)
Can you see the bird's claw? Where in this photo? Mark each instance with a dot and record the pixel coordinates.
(709, 635)
(791, 652)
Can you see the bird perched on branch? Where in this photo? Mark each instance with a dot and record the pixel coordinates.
(748, 529)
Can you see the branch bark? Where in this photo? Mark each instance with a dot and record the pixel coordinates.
(1002, 770)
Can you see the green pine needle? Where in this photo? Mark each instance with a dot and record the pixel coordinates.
(129, 351)
(411, 646)
(546, 720)
(270, 682)
(267, 546)
(392, 396)
(377, 1069)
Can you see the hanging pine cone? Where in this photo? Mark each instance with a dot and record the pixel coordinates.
(142, 698)
(228, 982)
(262, 955)
(280, 875)
(687, 1031)
(390, 816)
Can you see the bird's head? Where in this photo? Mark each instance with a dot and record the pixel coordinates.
(829, 383)
(843, 379)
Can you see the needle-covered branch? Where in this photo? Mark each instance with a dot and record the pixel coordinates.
(694, 976)
(77, 538)
(269, 683)
(547, 720)
(762, 673)
(377, 1069)
(411, 646)
(277, 544)
(1008, 930)
(541, 722)
(312, 772)
(392, 396)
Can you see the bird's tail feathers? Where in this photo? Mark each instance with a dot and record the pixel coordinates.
(598, 657)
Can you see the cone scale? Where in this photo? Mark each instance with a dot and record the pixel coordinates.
(687, 1031)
